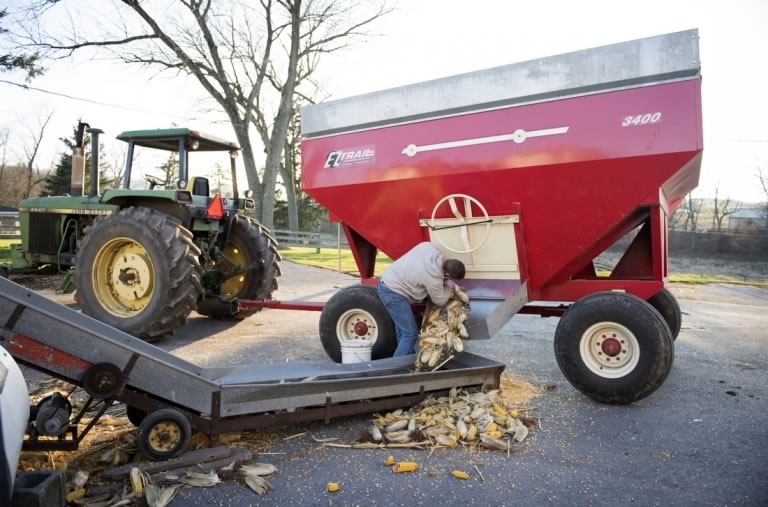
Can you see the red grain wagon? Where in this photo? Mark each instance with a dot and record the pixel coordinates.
(526, 173)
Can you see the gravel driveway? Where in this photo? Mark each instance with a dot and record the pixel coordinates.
(701, 439)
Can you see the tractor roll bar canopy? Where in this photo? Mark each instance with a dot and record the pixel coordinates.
(180, 140)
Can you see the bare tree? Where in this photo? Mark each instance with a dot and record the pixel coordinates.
(723, 208)
(5, 136)
(233, 49)
(762, 176)
(30, 154)
(693, 210)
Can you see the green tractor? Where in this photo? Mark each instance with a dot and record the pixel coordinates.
(145, 259)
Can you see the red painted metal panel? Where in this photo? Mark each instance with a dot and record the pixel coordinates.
(577, 191)
(33, 352)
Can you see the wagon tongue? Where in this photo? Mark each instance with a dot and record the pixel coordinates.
(216, 208)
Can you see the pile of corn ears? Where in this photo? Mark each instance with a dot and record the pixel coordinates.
(461, 417)
(443, 331)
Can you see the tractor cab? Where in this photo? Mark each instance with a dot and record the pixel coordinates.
(182, 141)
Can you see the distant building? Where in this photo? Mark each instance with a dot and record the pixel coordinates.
(748, 220)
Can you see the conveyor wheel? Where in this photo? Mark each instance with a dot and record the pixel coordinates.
(164, 434)
(356, 313)
(666, 304)
(614, 347)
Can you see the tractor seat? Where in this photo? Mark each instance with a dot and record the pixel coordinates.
(199, 186)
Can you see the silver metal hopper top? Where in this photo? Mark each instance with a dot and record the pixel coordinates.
(626, 64)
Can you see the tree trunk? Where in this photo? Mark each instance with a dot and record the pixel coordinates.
(290, 193)
(283, 118)
(251, 172)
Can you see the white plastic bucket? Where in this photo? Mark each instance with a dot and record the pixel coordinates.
(356, 351)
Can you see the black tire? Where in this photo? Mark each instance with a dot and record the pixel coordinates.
(259, 248)
(666, 304)
(4, 272)
(164, 434)
(638, 372)
(358, 297)
(176, 271)
(135, 415)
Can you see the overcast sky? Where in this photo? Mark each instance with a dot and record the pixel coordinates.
(427, 39)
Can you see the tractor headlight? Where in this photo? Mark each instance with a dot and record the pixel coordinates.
(234, 154)
(181, 184)
(183, 196)
(250, 204)
(195, 144)
(248, 194)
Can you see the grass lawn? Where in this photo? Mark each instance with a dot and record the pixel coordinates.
(328, 258)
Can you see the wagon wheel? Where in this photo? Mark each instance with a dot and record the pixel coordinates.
(614, 347)
(464, 219)
(357, 313)
(666, 304)
(164, 434)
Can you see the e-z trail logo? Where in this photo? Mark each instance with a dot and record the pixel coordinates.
(353, 156)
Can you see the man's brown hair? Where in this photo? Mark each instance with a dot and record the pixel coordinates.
(454, 269)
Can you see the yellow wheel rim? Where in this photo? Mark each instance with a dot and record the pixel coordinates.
(233, 285)
(123, 277)
(164, 437)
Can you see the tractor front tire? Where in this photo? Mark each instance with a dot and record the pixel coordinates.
(138, 270)
(248, 245)
(614, 347)
(356, 313)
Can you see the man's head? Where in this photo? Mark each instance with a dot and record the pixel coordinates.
(454, 269)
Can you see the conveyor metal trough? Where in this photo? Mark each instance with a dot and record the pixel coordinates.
(66, 344)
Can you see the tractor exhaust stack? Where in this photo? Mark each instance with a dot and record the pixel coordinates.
(78, 162)
(94, 161)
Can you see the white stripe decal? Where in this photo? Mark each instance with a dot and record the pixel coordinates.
(518, 136)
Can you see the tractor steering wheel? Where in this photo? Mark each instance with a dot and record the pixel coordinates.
(153, 181)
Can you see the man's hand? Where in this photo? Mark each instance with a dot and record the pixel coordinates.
(450, 284)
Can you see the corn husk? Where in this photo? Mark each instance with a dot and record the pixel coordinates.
(390, 461)
(201, 480)
(137, 481)
(258, 484)
(157, 496)
(260, 469)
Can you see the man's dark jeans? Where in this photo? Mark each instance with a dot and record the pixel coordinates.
(399, 309)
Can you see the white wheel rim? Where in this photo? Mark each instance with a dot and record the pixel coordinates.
(609, 350)
(356, 326)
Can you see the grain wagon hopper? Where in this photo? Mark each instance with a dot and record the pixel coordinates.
(526, 173)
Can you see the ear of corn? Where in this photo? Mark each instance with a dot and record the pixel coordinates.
(76, 494)
(405, 466)
(460, 475)
(390, 461)
(332, 487)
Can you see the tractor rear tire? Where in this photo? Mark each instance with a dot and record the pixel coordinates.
(359, 303)
(666, 304)
(250, 244)
(158, 283)
(614, 347)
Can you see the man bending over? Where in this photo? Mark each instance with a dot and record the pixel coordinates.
(410, 279)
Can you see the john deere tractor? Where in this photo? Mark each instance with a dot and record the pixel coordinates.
(144, 259)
